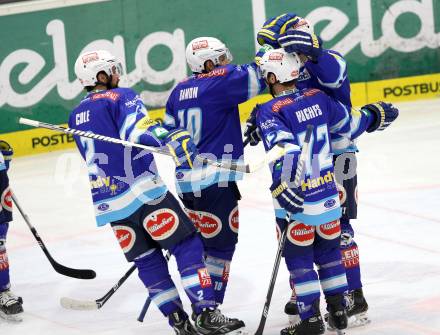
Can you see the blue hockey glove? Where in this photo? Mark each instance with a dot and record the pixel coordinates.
(274, 27)
(252, 132)
(291, 199)
(182, 147)
(265, 48)
(384, 114)
(301, 42)
(7, 152)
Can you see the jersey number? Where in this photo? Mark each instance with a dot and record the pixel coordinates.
(323, 159)
(191, 120)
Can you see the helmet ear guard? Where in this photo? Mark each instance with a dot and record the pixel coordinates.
(202, 49)
(283, 65)
(89, 64)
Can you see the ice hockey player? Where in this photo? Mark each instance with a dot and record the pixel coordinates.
(314, 230)
(326, 70)
(10, 305)
(206, 104)
(129, 194)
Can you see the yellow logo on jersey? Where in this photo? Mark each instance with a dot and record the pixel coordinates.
(312, 183)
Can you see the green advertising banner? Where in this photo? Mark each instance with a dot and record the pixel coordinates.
(41, 41)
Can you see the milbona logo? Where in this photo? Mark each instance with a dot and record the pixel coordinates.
(330, 203)
(103, 207)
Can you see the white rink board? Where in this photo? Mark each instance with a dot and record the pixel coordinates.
(397, 232)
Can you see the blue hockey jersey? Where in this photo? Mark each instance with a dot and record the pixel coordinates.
(121, 178)
(2, 162)
(207, 106)
(284, 120)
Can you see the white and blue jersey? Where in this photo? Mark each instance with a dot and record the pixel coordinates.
(207, 106)
(121, 179)
(284, 120)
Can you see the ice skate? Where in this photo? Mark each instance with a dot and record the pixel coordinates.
(213, 322)
(181, 324)
(337, 315)
(357, 309)
(11, 308)
(314, 325)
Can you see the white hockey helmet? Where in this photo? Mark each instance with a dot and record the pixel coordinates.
(89, 64)
(201, 49)
(283, 65)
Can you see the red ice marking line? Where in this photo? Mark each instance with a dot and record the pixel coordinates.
(394, 210)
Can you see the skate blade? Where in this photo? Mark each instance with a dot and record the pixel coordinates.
(358, 320)
(11, 318)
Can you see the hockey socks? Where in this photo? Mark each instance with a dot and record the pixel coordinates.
(153, 271)
(4, 263)
(196, 279)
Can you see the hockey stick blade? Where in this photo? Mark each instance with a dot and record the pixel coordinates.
(88, 305)
(61, 269)
(271, 156)
(79, 305)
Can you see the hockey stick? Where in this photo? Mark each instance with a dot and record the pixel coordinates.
(144, 310)
(271, 156)
(298, 175)
(61, 269)
(87, 305)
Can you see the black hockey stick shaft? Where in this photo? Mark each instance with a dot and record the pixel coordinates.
(61, 269)
(100, 302)
(147, 303)
(298, 176)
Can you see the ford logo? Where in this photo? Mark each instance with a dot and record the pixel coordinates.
(329, 203)
(179, 175)
(103, 207)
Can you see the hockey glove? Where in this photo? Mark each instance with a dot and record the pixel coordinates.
(252, 132)
(182, 147)
(274, 27)
(291, 199)
(301, 42)
(7, 152)
(383, 115)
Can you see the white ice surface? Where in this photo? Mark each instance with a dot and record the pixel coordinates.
(397, 231)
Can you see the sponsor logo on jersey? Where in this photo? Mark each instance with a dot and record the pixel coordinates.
(226, 269)
(4, 262)
(126, 237)
(6, 199)
(234, 220)
(208, 224)
(342, 193)
(330, 203)
(330, 230)
(276, 56)
(350, 257)
(145, 123)
(179, 175)
(90, 57)
(268, 124)
(106, 95)
(203, 44)
(103, 207)
(312, 183)
(304, 75)
(204, 278)
(161, 224)
(281, 103)
(214, 73)
(311, 92)
(300, 234)
(132, 103)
